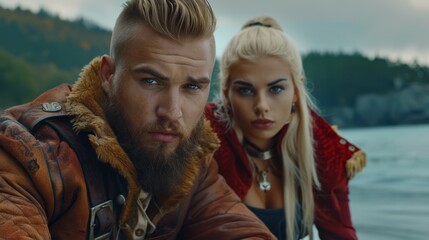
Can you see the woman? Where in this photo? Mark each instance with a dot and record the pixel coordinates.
(285, 162)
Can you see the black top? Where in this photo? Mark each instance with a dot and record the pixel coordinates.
(274, 219)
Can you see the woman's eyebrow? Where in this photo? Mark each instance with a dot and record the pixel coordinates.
(274, 82)
(241, 82)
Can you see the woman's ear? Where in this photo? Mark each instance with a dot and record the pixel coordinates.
(107, 70)
(225, 93)
(226, 101)
(295, 95)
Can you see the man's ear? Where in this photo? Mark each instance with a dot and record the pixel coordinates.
(106, 73)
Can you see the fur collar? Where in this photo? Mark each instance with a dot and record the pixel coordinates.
(85, 103)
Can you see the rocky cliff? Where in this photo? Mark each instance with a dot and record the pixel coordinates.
(406, 106)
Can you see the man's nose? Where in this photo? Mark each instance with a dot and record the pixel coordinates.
(170, 105)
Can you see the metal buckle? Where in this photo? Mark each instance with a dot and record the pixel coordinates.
(51, 107)
(94, 210)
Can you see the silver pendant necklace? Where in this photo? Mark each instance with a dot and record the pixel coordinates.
(264, 184)
(261, 176)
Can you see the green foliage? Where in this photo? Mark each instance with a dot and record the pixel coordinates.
(337, 79)
(43, 38)
(39, 51)
(15, 79)
(21, 81)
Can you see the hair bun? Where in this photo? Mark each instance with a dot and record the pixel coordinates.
(256, 24)
(262, 21)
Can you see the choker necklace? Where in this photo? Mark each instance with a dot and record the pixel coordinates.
(261, 175)
(255, 152)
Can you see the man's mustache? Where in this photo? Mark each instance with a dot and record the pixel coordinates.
(165, 127)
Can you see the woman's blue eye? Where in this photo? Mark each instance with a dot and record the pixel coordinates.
(244, 91)
(276, 89)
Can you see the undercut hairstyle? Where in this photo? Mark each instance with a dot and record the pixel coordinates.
(261, 37)
(175, 19)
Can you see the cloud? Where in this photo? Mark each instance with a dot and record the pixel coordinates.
(65, 9)
(389, 27)
(101, 12)
(420, 5)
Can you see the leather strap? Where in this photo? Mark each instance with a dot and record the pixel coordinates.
(98, 177)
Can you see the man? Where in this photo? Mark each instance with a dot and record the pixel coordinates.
(125, 152)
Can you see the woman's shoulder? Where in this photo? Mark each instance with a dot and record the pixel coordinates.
(337, 159)
(211, 114)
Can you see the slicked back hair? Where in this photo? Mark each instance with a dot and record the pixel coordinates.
(175, 19)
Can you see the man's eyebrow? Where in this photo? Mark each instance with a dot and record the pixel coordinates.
(274, 82)
(203, 80)
(150, 71)
(160, 76)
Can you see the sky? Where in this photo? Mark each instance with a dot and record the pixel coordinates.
(396, 29)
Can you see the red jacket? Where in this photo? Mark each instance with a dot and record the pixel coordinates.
(336, 159)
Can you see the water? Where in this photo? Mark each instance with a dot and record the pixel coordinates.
(389, 199)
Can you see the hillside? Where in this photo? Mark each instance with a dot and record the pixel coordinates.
(44, 38)
(37, 51)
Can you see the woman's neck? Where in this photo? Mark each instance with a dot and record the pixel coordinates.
(255, 151)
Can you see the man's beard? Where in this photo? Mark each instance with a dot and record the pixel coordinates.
(158, 172)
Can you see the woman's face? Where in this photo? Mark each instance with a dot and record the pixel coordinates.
(260, 94)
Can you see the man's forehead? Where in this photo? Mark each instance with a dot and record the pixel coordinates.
(142, 36)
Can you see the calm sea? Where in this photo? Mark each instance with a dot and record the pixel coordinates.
(389, 199)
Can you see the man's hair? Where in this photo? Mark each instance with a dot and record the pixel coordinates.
(175, 19)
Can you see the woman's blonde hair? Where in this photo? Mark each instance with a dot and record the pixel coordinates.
(259, 37)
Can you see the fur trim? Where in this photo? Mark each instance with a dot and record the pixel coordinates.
(355, 164)
(85, 104)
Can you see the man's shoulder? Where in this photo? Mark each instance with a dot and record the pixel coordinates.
(48, 103)
(28, 132)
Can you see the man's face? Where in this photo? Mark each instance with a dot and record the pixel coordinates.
(162, 86)
(157, 88)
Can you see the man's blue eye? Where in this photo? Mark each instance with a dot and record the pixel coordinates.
(150, 81)
(192, 86)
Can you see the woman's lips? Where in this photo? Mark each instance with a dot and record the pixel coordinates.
(262, 123)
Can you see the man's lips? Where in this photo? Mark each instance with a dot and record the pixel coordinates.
(164, 136)
(262, 123)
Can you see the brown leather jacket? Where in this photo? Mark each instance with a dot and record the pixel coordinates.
(61, 185)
